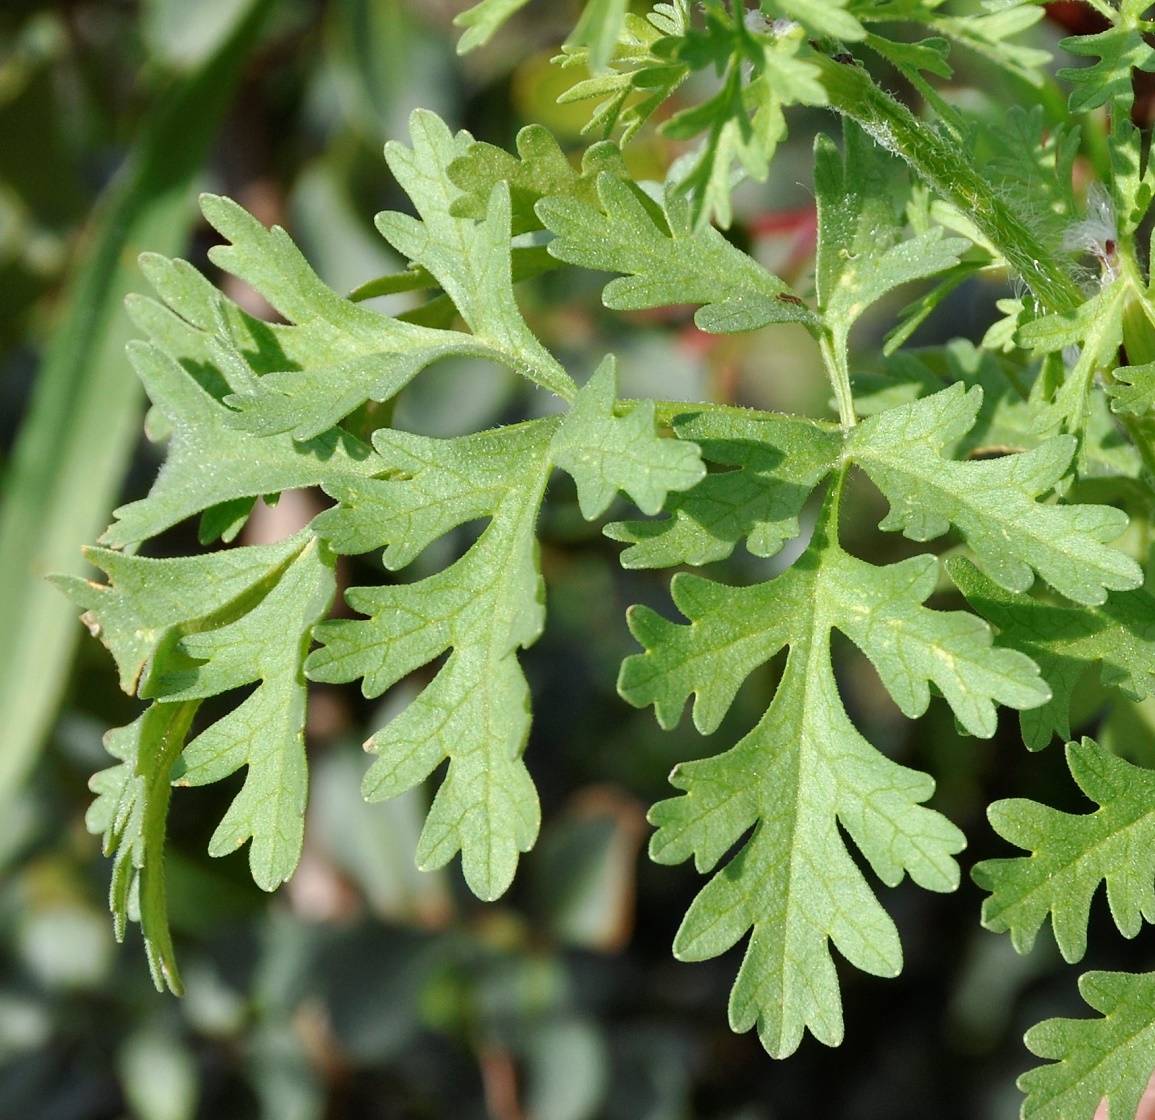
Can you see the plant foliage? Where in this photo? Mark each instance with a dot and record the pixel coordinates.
(1024, 456)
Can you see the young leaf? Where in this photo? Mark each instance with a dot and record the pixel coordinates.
(992, 502)
(804, 769)
(1065, 641)
(663, 268)
(779, 461)
(861, 255)
(1072, 854)
(1109, 1058)
(606, 453)
(482, 21)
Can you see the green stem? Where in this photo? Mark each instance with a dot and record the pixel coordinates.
(833, 350)
(947, 169)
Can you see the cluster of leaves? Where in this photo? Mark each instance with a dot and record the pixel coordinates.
(251, 409)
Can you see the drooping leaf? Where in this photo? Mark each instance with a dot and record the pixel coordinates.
(131, 811)
(1072, 854)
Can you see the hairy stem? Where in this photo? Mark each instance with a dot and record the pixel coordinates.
(947, 169)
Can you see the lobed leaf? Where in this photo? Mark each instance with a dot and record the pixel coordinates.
(993, 502)
(777, 463)
(210, 462)
(668, 266)
(805, 768)
(1072, 854)
(482, 608)
(1065, 641)
(539, 170)
(606, 453)
(1095, 1059)
(266, 731)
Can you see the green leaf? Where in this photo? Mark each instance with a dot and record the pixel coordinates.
(606, 453)
(145, 597)
(539, 170)
(663, 268)
(644, 73)
(1120, 49)
(861, 255)
(483, 608)
(209, 462)
(805, 769)
(1109, 1058)
(62, 476)
(1065, 641)
(1134, 390)
(333, 357)
(1071, 854)
(471, 260)
(266, 731)
(826, 17)
(778, 460)
(598, 30)
(482, 21)
(131, 809)
(993, 502)
(988, 35)
(1096, 328)
(188, 629)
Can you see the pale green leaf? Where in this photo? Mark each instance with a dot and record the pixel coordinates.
(663, 267)
(266, 731)
(210, 462)
(1109, 1058)
(539, 170)
(144, 597)
(482, 21)
(778, 460)
(993, 503)
(1065, 641)
(482, 609)
(470, 259)
(861, 252)
(606, 453)
(1072, 854)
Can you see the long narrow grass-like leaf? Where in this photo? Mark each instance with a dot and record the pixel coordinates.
(74, 444)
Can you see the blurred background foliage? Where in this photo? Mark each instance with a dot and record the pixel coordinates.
(366, 989)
